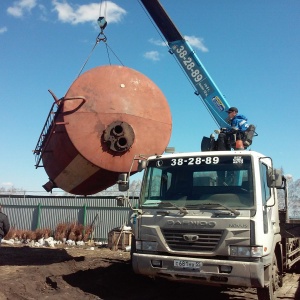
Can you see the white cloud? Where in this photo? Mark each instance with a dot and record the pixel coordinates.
(7, 184)
(20, 7)
(152, 55)
(157, 42)
(3, 29)
(44, 12)
(88, 12)
(196, 42)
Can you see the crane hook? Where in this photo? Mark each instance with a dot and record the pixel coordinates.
(102, 24)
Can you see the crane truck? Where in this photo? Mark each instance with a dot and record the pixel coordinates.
(211, 217)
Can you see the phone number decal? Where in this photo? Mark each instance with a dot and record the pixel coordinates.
(195, 161)
(195, 72)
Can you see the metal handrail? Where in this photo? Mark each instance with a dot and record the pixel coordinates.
(49, 127)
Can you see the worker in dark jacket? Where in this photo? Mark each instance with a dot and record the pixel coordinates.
(238, 125)
(4, 224)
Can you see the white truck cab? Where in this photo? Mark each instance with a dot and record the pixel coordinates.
(211, 218)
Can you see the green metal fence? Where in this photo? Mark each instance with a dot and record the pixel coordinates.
(27, 212)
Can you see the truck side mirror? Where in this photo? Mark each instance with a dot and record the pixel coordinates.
(142, 164)
(122, 182)
(275, 178)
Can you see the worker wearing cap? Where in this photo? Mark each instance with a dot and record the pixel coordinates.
(238, 125)
(4, 225)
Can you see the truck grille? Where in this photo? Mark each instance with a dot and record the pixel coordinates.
(192, 240)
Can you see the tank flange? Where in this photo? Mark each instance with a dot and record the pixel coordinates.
(119, 136)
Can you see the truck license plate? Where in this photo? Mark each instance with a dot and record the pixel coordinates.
(187, 264)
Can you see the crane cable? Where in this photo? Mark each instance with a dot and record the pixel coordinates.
(102, 23)
(106, 44)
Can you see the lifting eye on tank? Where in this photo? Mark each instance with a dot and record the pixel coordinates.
(119, 136)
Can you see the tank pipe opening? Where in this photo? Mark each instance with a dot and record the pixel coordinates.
(119, 136)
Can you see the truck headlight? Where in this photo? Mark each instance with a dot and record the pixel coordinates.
(146, 245)
(246, 251)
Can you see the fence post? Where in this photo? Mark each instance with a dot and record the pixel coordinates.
(39, 216)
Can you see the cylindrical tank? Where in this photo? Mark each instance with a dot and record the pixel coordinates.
(109, 115)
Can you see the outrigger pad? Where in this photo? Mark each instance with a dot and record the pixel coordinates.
(248, 135)
(208, 144)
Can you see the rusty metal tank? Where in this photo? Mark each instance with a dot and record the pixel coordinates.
(108, 115)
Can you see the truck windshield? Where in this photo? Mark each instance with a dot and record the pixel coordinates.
(192, 181)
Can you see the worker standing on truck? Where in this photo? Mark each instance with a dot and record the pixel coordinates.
(4, 225)
(228, 136)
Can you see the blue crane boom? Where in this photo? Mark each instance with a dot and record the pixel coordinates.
(191, 64)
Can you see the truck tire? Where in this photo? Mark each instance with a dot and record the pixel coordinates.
(270, 292)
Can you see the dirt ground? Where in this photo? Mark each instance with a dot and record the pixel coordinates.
(83, 273)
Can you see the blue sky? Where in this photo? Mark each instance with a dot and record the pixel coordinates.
(250, 49)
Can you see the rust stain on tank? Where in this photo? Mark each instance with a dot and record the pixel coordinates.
(108, 115)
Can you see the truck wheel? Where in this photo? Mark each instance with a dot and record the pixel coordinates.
(270, 292)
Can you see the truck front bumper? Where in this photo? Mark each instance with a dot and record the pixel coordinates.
(210, 272)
